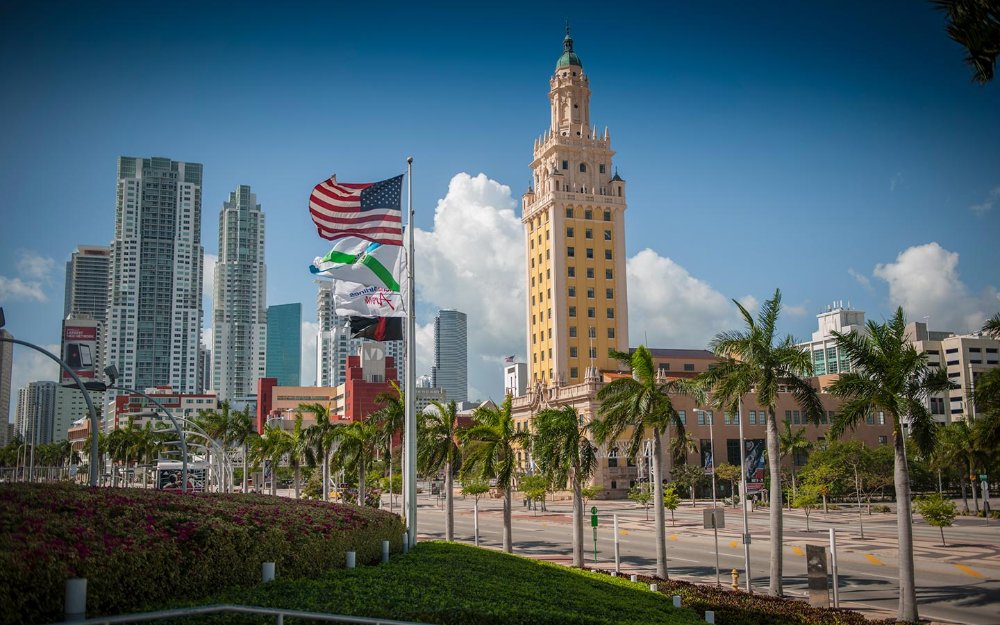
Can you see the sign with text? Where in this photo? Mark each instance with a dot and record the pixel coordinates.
(79, 348)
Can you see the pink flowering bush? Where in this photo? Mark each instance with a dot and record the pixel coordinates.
(141, 547)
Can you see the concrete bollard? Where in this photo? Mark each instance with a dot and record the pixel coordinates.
(710, 616)
(385, 551)
(654, 587)
(633, 577)
(351, 558)
(267, 572)
(76, 599)
(677, 601)
(614, 573)
(406, 543)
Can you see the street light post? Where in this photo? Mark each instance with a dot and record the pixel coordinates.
(711, 436)
(743, 503)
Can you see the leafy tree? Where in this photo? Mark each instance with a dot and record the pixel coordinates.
(391, 417)
(807, 499)
(270, 447)
(635, 405)
(564, 452)
(588, 493)
(356, 443)
(491, 453)
(475, 488)
(438, 436)
(690, 477)
(680, 446)
(791, 444)
(641, 496)
(755, 361)
(975, 24)
(319, 438)
(956, 444)
(220, 425)
(822, 478)
(937, 511)
(671, 501)
(535, 487)
(730, 473)
(891, 376)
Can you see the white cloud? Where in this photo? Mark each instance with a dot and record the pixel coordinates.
(35, 267)
(668, 307)
(895, 180)
(30, 366)
(860, 278)
(986, 205)
(924, 280)
(795, 311)
(473, 261)
(425, 348)
(16, 289)
(310, 331)
(208, 338)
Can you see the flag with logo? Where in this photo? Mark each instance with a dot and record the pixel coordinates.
(363, 262)
(367, 210)
(377, 328)
(360, 300)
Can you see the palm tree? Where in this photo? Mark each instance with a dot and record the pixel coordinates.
(296, 445)
(634, 405)
(680, 446)
(563, 449)
(320, 441)
(490, 453)
(241, 429)
(753, 361)
(270, 447)
(356, 449)
(956, 446)
(219, 424)
(992, 326)
(438, 448)
(975, 24)
(791, 444)
(891, 376)
(391, 417)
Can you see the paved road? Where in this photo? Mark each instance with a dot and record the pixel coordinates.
(959, 583)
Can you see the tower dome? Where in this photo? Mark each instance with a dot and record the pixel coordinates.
(568, 56)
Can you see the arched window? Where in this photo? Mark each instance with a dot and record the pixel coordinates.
(583, 168)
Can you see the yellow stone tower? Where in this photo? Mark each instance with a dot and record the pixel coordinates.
(574, 224)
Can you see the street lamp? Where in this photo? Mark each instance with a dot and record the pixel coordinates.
(743, 486)
(78, 384)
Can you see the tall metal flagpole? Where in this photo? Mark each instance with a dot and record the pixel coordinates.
(410, 434)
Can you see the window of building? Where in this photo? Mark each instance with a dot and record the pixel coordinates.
(826, 417)
(607, 235)
(588, 233)
(726, 418)
(611, 333)
(664, 366)
(572, 352)
(591, 313)
(590, 272)
(588, 214)
(592, 332)
(701, 417)
(870, 419)
(572, 311)
(593, 352)
(590, 252)
(572, 331)
(570, 251)
(689, 366)
(569, 213)
(569, 231)
(682, 416)
(609, 293)
(600, 168)
(612, 459)
(796, 417)
(953, 350)
(608, 274)
(607, 254)
(583, 166)
(572, 291)
(574, 373)
(753, 417)
(565, 164)
(881, 418)
(607, 214)
(571, 272)
(590, 292)
(611, 313)
(883, 440)
(788, 416)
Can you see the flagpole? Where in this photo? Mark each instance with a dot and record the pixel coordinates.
(410, 435)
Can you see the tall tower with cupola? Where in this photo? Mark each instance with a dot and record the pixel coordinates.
(574, 225)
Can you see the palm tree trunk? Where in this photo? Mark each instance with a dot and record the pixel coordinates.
(907, 586)
(298, 476)
(246, 451)
(361, 481)
(449, 503)
(774, 467)
(326, 479)
(661, 530)
(577, 522)
(507, 540)
(965, 496)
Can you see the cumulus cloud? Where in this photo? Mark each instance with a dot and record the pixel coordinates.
(36, 267)
(986, 205)
(35, 273)
(310, 332)
(473, 261)
(16, 289)
(795, 311)
(860, 278)
(668, 307)
(924, 280)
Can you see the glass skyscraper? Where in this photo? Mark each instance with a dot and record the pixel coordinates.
(451, 357)
(284, 344)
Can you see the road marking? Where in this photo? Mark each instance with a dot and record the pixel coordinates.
(798, 551)
(732, 544)
(623, 532)
(673, 537)
(968, 570)
(874, 560)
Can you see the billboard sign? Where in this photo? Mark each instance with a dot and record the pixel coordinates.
(707, 457)
(79, 349)
(754, 464)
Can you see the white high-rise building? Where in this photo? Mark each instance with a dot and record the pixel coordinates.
(334, 343)
(6, 371)
(87, 283)
(451, 358)
(155, 275)
(45, 411)
(240, 304)
(827, 357)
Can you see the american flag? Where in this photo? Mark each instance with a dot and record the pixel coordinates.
(508, 359)
(367, 210)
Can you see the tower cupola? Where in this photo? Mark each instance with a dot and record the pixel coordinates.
(568, 56)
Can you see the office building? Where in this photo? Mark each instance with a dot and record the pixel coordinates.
(827, 357)
(155, 274)
(284, 344)
(204, 369)
(46, 410)
(451, 359)
(240, 310)
(87, 282)
(6, 371)
(515, 379)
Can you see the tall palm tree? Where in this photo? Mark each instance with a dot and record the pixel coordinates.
(562, 447)
(438, 448)
(631, 407)
(891, 376)
(680, 446)
(992, 326)
(241, 429)
(390, 417)
(491, 453)
(791, 444)
(270, 447)
(975, 24)
(956, 445)
(219, 424)
(320, 438)
(754, 361)
(296, 445)
(356, 443)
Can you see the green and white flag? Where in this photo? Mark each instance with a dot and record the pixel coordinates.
(363, 262)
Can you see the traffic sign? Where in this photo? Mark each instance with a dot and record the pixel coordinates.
(982, 477)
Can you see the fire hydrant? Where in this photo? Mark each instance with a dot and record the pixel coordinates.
(736, 579)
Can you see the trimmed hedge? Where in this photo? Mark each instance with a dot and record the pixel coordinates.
(143, 547)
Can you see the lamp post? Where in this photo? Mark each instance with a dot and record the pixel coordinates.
(743, 503)
(711, 436)
(78, 384)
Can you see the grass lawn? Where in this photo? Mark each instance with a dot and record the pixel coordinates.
(454, 584)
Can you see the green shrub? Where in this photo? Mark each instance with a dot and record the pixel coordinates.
(142, 547)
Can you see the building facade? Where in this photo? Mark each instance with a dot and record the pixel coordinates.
(87, 282)
(827, 357)
(46, 410)
(240, 308)
(574, 224)
(139, 410)
(451, 355)
(6, 371)
(515, 379)
(284, 344)
(155, 274)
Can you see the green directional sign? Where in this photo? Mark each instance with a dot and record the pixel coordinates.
(982, 477)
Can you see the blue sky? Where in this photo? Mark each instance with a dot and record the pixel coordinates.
(835, 151)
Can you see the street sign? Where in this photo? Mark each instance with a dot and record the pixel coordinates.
(714, 518)
(983, 477)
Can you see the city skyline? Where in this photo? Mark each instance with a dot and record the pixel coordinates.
(839, 156)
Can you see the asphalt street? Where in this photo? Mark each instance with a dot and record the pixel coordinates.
(959, 583)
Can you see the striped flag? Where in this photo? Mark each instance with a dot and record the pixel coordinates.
(369, 210)
(359, 261)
